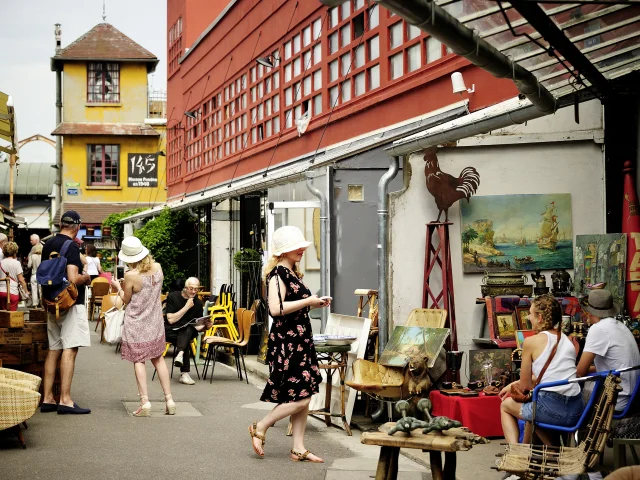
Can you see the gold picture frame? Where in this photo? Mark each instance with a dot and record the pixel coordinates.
(505, 325)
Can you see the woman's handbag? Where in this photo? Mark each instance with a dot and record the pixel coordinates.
(523, 395)
(113, 319)
(24, 294)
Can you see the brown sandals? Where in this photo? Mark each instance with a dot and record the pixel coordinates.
(253, 431)
(303, 457)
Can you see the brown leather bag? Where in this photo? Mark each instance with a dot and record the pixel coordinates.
(63, 302)
(523, 395)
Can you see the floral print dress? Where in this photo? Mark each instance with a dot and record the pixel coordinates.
(291, 355)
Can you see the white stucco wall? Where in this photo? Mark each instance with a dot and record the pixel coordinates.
(547, 165)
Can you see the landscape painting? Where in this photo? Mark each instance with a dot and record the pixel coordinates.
(600, 261)
(516, 232)
(407, 342)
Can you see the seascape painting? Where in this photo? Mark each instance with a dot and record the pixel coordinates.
(516, 232)
(600, 261)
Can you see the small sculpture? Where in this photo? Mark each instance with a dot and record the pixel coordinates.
(408, 424)
(447, 189)
(540, 281)
(561, 281)
(419, 379)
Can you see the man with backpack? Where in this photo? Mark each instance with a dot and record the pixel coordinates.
(68, 327)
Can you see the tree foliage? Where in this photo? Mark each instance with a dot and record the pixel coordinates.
(468, 236)
(117, 229)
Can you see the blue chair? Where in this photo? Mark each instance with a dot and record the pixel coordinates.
(630, 404)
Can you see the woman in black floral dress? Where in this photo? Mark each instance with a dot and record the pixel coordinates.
(293, 367)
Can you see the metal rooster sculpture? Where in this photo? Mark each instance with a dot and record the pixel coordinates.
(447, 189)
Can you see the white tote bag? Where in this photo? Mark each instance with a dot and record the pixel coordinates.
(114, 319)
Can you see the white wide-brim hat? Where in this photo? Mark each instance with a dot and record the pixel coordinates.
(287, 239)
(132, 250)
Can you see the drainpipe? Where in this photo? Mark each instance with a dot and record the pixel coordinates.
(324, 239)
(197, 217)
(437, 22)
(383, 252)
(58, 194)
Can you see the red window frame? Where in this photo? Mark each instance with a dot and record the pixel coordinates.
(98, 74)
(103, 165)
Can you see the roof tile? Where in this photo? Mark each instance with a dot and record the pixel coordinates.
(86, 128)
(95, 213)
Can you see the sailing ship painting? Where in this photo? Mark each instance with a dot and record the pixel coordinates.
(505, 232)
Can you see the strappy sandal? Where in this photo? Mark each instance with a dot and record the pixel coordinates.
(144, 410)
(303, 457)
(253, 431)
(170, 405)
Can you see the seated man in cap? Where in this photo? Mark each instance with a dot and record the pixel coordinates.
(183, 308)
(610, 344)
(71, 329)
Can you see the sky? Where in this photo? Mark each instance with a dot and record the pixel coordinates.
(27, 45)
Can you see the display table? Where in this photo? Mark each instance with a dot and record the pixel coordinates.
(479, 414)
(449, 442)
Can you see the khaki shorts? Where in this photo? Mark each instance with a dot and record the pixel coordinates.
(71, 330)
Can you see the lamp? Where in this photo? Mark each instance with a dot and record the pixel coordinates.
(161, 153)
(457, 82)
(191, 114)
(269, 61)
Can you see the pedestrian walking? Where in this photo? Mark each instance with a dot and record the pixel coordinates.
(293, 366)
(94, 269)
(69, 329)
(11, 268)
(35, 257)
(143, 335)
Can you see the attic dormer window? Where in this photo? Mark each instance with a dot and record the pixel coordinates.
(103, 83)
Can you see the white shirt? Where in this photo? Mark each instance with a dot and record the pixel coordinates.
(92, 265)
(614, 347)
(562, 366)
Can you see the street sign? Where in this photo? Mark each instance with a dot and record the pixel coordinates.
(72, 184)
(143, 170)
(72, 191)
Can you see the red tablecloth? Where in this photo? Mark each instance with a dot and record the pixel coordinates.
(480, 414)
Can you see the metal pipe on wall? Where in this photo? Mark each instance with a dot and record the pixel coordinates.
(324, 239)
(383, 252)
(58, 193)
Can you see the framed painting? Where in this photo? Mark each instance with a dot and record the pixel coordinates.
(406, 342)
(522, 317)
(525, 232)
(505, 325)
(522, 334)
(500, 362)
(601, 259)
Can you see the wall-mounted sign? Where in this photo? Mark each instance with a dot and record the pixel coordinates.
(72, 184)
(143, 170)
(72, 191)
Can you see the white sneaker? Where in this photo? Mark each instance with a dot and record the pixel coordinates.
(186, 379)
(179, 358)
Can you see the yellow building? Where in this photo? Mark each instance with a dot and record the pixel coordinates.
(112, 153)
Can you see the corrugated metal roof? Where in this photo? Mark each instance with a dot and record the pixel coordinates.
(32, 179)
(86, 128)
(105, 42)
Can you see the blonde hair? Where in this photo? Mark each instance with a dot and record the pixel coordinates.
(143, 265)
(10, 249)
(37, 249)
(550, 311)
(273, 261)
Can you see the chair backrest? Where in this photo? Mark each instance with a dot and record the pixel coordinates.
(633, 405)
(109, 301)
(427, 317)
(248, 319)
(100, 287)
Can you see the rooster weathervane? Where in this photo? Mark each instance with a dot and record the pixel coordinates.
(447, 189)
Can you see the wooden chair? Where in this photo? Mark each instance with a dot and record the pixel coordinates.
(246, 319)
(19, 400)
(99, 288)
(427, 317)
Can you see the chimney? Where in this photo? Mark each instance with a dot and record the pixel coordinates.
(58, 34)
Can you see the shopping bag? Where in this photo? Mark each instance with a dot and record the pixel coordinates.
(114, 319)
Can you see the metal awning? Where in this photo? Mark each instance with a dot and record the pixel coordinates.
(551, 50)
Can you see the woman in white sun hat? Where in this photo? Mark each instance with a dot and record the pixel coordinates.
(143, 336)
(293, 366)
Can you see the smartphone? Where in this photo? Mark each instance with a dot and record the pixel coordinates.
(325, 298)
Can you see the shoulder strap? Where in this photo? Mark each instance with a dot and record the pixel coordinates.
(553, 352)
(7, 274)
(274, 273)
(65, 247)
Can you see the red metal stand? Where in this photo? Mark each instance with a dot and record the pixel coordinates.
(438, 280)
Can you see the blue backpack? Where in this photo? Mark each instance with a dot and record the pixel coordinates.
(58, 293)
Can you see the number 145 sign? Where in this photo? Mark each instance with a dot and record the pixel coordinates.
(143, 170)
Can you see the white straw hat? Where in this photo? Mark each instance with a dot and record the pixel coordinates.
(287, 239)
(132, 250)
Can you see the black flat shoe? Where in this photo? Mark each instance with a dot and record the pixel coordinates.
(48, 407)
(75, 410)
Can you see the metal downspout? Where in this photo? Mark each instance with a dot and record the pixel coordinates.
(324, 239)
(58, 194)
(383, 252)
(438, 23)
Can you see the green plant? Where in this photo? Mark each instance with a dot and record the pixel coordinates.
(107, 260)
(242, 258)
(117, 229)
(161, 237)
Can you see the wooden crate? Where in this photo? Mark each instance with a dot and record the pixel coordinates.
(42, 349)
(11, 319)
(15, 336)
(36, 315)
(38, 331)
(17, 354)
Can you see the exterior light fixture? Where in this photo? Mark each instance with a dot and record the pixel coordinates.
(457, 82)
(191, 114)
(269, 61)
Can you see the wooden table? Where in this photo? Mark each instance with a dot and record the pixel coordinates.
(332, 358)
(449, 442)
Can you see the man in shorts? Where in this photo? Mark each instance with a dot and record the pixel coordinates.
(71, 330)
